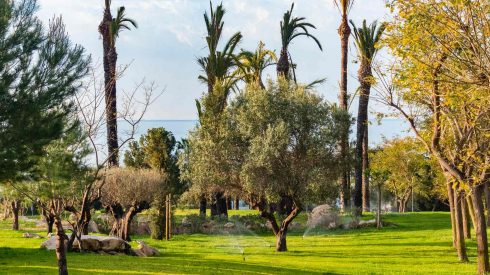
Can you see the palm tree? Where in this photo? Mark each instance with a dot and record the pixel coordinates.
(109, 29)
(292, 27)
(220, 76)
(218, 66)
(252, 64)
(366, 39)
(344, 31)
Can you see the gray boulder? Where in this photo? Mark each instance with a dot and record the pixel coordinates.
(145, 250)
(322, 216)
(31, 235)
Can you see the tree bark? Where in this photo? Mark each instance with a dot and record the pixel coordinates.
(487, 201)
(480, 230)
(15, 214)
(237, 203)
(61, 247)
(49, 218)
(281, 244)
(362, 120)
(109, 62)
(344, 33)
(283, 64)
(366, 206)
(122, 219)
(450, 195)
(202, 205)
(219, 206)
(458, 214)
(466, 216)
(379, 224)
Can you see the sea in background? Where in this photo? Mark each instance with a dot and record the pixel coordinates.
(387, 128)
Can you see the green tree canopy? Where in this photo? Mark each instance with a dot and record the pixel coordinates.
(40, 70)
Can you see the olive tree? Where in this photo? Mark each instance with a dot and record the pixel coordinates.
(127, 192)
(274, 143)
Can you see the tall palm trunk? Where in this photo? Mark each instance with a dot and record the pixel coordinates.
(366, 206)
(110, 62)
(364, 74)
(344, 33)
(283, 64)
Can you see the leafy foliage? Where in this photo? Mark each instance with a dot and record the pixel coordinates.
(39, 71)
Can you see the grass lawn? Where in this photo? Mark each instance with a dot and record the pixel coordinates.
(419, 244)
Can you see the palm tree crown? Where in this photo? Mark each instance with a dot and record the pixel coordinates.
(252, 64)
(367, 38)
(121, 22)
(218, 65)
(292, 27)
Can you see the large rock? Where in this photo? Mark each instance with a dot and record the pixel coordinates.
(229, 225)
(49, 244)
(322, 216)
(31, 235)
(93, 227)
(94, 244)
(145, 250)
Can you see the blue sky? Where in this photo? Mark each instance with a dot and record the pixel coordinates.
(171, 36)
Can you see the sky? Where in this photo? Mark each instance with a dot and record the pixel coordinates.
(170, 37)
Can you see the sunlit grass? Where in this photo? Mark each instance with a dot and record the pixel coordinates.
(419, 244)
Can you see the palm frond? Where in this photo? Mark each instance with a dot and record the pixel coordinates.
(367, 38)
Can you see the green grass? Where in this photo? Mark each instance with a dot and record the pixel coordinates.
(419, 244)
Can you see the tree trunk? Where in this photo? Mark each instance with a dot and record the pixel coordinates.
(15, 213)
(450, 195)
(466, 217)
(219, 206)
(109, 62)
(487, 201)
(285, 206)
(362, 116)
(283, 64)
(49, 218)
(480, 230)
(228, 203)
(365, 168)
(122, 221)
(61, 247)
(458, 214)
(379, 224)
(202, 206)
(344, 33)
(237, 203)
(281, 245)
